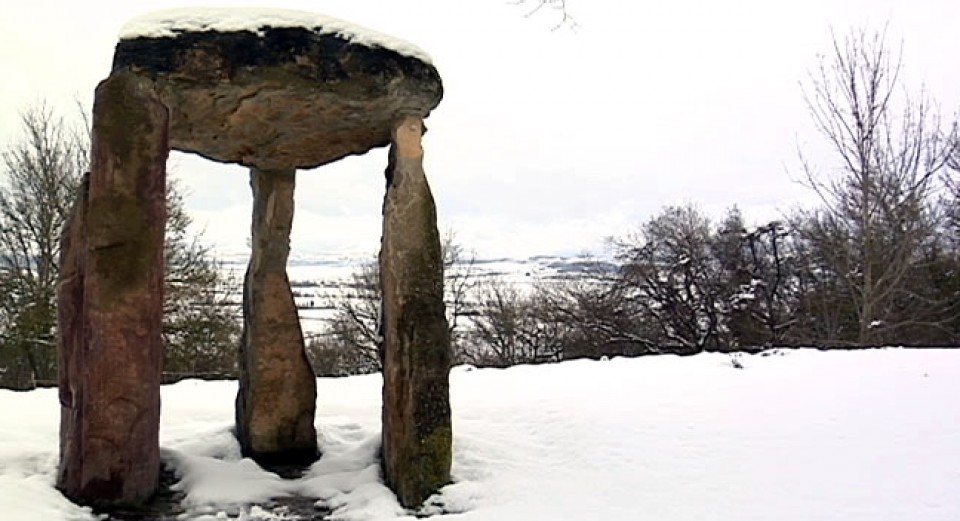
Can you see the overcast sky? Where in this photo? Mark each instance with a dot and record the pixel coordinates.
(546, 141)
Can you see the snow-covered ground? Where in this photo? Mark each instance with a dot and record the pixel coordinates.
(795, 435)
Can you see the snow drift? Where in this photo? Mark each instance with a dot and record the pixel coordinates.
(794, 435)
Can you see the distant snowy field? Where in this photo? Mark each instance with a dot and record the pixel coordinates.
(795, 435)
(318, 280)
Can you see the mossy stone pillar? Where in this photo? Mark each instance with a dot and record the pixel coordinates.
(417, 433)
(278, 391)
(110, 303)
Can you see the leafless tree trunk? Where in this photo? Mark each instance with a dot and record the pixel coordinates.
(769, 292)
(889, 151)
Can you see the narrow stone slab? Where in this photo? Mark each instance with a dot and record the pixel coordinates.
(278, 391)
(417, 434)
(110, 303)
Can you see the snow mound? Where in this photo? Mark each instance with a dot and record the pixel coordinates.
(171, 22)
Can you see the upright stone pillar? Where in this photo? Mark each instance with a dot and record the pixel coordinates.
(278, 391)
(416, 353)
(110, 303)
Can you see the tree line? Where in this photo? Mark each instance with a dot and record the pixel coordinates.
(876, 262)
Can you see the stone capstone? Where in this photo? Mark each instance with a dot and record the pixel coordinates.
(283, 98)
(278, 390)
(417, 435)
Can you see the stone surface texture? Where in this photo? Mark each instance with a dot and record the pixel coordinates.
(278, 390)
(275, 99)
(417, 434)
(110, 302)
(285, 98)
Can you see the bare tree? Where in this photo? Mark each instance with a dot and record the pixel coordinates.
(951, 179)
(459, 283)
(890, 149)
(351, 342)
(511, 328)
(597, 314)
(42, 171)
(771, 288)
(672, 273)
(557, 7)
(201, 328)
(352, 336)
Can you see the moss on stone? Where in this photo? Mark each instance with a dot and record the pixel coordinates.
(123, 245)
(123, 121)
(436, 458)
(425, 469)
(129, 144)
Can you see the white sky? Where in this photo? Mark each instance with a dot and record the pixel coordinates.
(546, 141)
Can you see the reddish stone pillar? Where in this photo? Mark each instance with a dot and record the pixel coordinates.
(417, 432)
(278, 391)
(110, 302)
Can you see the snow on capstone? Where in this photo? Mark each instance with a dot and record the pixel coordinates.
(171, 22)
